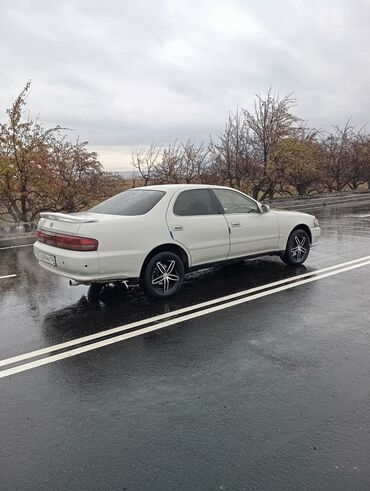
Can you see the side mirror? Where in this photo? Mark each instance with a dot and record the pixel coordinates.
(265, 208)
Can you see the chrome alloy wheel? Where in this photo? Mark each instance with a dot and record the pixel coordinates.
(299, 250)
(165, 276)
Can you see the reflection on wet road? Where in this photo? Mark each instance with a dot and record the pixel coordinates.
(41, 309)
(95, 341)
(266, 394)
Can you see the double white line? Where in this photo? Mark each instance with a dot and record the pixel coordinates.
(15, 246)
(8, 276)
(158, 322)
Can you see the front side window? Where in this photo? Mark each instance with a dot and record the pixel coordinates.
(195, 202)
(233, 202)
(131, 202)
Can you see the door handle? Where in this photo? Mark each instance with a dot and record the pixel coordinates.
(235, 224)
(177, 227)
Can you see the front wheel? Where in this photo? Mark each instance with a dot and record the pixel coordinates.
(163, 275)
(297, 249)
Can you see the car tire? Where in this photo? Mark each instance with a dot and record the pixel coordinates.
(94, 291)
(163, 275)
(298, 248)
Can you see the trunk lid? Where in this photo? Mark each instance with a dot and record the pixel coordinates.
(66, 223)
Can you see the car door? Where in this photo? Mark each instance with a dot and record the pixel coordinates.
(251, 231)
(195, 221)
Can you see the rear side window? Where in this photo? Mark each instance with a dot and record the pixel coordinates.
(131, 202)
(195, 202)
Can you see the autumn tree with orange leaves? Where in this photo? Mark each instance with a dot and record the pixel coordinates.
(266, 152)
(41, 170)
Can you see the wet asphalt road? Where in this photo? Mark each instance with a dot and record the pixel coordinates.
(269, 394)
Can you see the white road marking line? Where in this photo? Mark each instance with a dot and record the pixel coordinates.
(148, 320)
(8, 276)
(337, 234)
(353, 232)
(15, 246)
(106, 342)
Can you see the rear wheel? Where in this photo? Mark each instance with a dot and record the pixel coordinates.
(163, 275)
(93, 293)
(298, 248)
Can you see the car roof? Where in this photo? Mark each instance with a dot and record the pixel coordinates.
(175, 187)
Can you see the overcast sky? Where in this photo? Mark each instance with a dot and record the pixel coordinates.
(123, 73)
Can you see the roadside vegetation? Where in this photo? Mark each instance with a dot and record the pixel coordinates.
(41, 169)
(267, 152)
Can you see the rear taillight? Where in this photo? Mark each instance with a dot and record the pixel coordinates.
(70, 242)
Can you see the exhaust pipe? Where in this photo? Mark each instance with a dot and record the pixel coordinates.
(74, 283)
(77, 283)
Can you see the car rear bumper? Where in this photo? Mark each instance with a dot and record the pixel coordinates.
(83, 267)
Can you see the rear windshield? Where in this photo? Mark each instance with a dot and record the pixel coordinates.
(132, 202)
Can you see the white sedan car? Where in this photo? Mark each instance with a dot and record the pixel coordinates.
(158, 233)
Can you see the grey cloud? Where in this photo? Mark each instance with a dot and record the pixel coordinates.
(125, 72)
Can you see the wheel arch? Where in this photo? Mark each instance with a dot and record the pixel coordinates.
(304, 227)
(167, 247)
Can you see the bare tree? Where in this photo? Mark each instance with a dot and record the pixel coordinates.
(232, 156)
(366, 159)
(193, 162)
(167, 169)
(181, 163)
(336, 145)
(358, 163)
(270, 121)
(144, 160)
